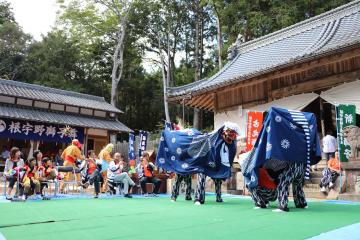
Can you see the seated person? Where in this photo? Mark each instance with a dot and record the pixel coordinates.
(266, 190)
(47, 173)
(330, 173)
(11, 171)
(116, 174)
(30, 180)
(91, 173)
(146, 174)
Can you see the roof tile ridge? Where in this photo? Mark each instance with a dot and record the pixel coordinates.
(310, 23)
(53, 90)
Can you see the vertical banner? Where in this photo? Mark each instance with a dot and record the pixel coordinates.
(131, 147)
(168, 126)
(345, 116)
(142, 142)
(253, 127)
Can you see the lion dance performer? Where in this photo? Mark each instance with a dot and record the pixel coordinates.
(188, 151)
(70, 155)
(225, 151)
(288, 144)
(105, 158)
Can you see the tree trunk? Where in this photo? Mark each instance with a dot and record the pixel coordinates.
(198, 57)
(118, 60)
(164, 75)
(219, 39)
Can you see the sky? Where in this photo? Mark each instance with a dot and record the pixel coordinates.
(36, 17)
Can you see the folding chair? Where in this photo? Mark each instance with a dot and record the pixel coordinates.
(74, 182)
(3, 179)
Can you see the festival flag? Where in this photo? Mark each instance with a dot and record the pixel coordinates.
(142, 142)
(254, 125)
(345, 116)
(131, 146)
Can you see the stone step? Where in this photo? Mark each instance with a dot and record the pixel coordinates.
(235, 192)
(311, 186)
(312, 194)
(315, 180)
(316, 174)
(349, 197)
(318, 195)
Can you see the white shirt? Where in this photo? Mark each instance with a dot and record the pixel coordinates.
(329, 144)
(224, 155)
(114, 169)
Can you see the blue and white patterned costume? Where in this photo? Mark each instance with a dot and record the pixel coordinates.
(286, 136)
(188, 151)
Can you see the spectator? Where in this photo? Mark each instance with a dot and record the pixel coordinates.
(58, 160)
(38, 157)
(146, 174)
(329, 145)
(5, 154)
(90, 172)
(30, 180)
(116, 174)
(330, 173)
(46, 173)
(12, 167)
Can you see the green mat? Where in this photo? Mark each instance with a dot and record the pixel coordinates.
(158, 218)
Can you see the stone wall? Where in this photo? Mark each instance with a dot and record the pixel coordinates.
(352, 172)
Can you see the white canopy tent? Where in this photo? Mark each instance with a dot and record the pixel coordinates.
(239, 116)
(295, 102)
(347, 93)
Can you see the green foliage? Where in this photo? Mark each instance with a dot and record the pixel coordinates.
(77, 54)
(13, 43)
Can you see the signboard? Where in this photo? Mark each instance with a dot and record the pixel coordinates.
(26, 130)
(253, 127)
(345, 116)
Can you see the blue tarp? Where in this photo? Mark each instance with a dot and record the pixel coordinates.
(188, 151)
(286, 136)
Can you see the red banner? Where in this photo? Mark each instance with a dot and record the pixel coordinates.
(254, 125)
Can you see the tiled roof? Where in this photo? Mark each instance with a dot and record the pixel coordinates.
(45, 116)
(323, 34)
(41, 93)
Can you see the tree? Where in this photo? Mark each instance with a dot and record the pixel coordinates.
(165, 26)
(55, 62)
(102, 19)
(13, 43)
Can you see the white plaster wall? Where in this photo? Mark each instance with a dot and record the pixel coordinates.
(236, 115)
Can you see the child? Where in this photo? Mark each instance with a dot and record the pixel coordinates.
(46, 173)
(30, 180)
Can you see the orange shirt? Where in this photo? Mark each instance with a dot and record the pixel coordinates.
(71, 153)
(334, 164)
(147, 173)
(91, 167)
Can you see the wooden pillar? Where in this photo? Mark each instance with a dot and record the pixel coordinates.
(85, 141)
(322, 117)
